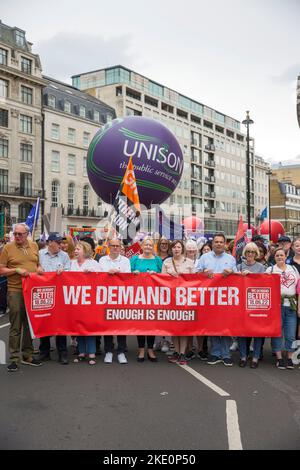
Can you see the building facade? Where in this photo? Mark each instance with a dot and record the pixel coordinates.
(285, 205)
(261, 187)
(298, 100)
(21, 84)
(71, 119)
(213, 184)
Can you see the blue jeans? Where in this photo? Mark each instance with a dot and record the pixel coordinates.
(220, 346)
(243, 347)
(86, 344)
(288, 329)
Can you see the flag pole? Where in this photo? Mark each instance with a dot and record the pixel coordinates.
(37, 208)
(4, 225)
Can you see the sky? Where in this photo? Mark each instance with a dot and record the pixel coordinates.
(232, 55)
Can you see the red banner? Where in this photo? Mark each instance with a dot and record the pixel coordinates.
(156, 304)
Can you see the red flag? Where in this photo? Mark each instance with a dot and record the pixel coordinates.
(239, 241)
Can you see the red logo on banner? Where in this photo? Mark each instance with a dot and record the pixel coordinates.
(258, 298)
(43, 297)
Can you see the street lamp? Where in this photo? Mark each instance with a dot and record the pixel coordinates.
(247, 122)
(269, 174)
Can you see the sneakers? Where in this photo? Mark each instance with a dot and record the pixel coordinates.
(174, 358)
(122, 358)
(108, 358)
(165, 346)
(182, 360)
(202, 356)
(157, 346)
(190, 355)
(228, 362)
(212, 360)
(289, 364)
(234, 346)
(13, 367)
(280, 364)
(34, 362)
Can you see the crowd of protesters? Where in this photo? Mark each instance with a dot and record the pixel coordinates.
(22, 256)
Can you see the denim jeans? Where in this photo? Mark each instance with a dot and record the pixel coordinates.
(220, 346)
(288, 329)
(86, 344)
(243, 347)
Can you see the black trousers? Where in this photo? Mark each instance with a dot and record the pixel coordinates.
(142, 341)
(108, 344)
(61, 345)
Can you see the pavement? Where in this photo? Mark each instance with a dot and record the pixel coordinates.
(148, 406)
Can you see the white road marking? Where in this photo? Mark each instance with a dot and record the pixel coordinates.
(205, 381)
(233, 429)
(3, 326)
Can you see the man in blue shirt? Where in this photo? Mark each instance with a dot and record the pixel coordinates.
(217, 261)
(53, 259)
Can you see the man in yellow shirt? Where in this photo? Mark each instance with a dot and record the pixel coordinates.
(17, 260)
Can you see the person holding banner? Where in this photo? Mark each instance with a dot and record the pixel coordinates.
(84, 262)
(250, 265)
(147, 262)
(217, 261)
(178, 264)
(17, 260)
(289, 278)
(114, 263)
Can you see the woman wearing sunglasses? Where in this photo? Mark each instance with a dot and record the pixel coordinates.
(250, 265)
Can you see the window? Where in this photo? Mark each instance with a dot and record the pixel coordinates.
(55, 131)
(3, 56)
(3, 148)
(84, 172)
(71, 164)
(132, 112)
(86, 139)
(55, 161)
(71, 195)
(96, 116)
(26, 65)
(71, 135)
(67, 107)
(24, 210)
(3, 181)
(51, 101)
(25, 124)
(26, 152)
(3, 88)
(26, 184)
(55, 190)
(133, 94)
(3, 118)
(20, 38)
(26, 95)
(85, 201)
(82, 111)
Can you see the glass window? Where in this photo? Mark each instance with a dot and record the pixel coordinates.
(26, 184)
(26, 152)
(3, 118)
(71, 196)
(3, 56)
(55, 161)
(55, 190)
(3, 148)
(82, 111)
(86, 139)
(85, 201)
(26, 95)
(84, 166)
(96, 116)
(3, 88)
(20, 38)
(71, 135)
(55, 131)
(155, 89)
(25, 124)
(26, 65)
(3, 181)
(71, 164)
(51, 101)
(67, 107)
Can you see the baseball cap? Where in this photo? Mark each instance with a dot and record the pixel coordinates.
(54, 237)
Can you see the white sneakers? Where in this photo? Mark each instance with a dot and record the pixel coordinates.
(165, 346)
(109, 358)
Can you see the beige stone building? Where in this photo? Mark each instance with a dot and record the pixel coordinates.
(21, 84)
(261, 187)
(213, 185)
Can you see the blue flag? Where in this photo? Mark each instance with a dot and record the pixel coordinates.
(166, 227)
(264, 214)
(33, 216)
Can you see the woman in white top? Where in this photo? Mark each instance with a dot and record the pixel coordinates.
(289, 278)
(174, 266)
(84, 262)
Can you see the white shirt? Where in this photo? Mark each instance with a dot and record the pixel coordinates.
(121, 263)
(288, 280)
(90, 264)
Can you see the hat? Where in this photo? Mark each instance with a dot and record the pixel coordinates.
(54, 237)
(284, 238)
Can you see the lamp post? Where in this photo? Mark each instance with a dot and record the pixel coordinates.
(269, 173)
(247, 122)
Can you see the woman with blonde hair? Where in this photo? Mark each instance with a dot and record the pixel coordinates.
(68, 245)
(163, 248)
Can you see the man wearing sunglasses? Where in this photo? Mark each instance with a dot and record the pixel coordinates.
(17, 260)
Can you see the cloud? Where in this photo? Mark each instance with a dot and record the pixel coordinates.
(67, 54)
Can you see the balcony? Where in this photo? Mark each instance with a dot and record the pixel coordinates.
(212, 179)
(16, 191)
(210, 163)
(71, 212)
(210, 147)
(213, 211)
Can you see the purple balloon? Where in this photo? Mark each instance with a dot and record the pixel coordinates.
(157, 158)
